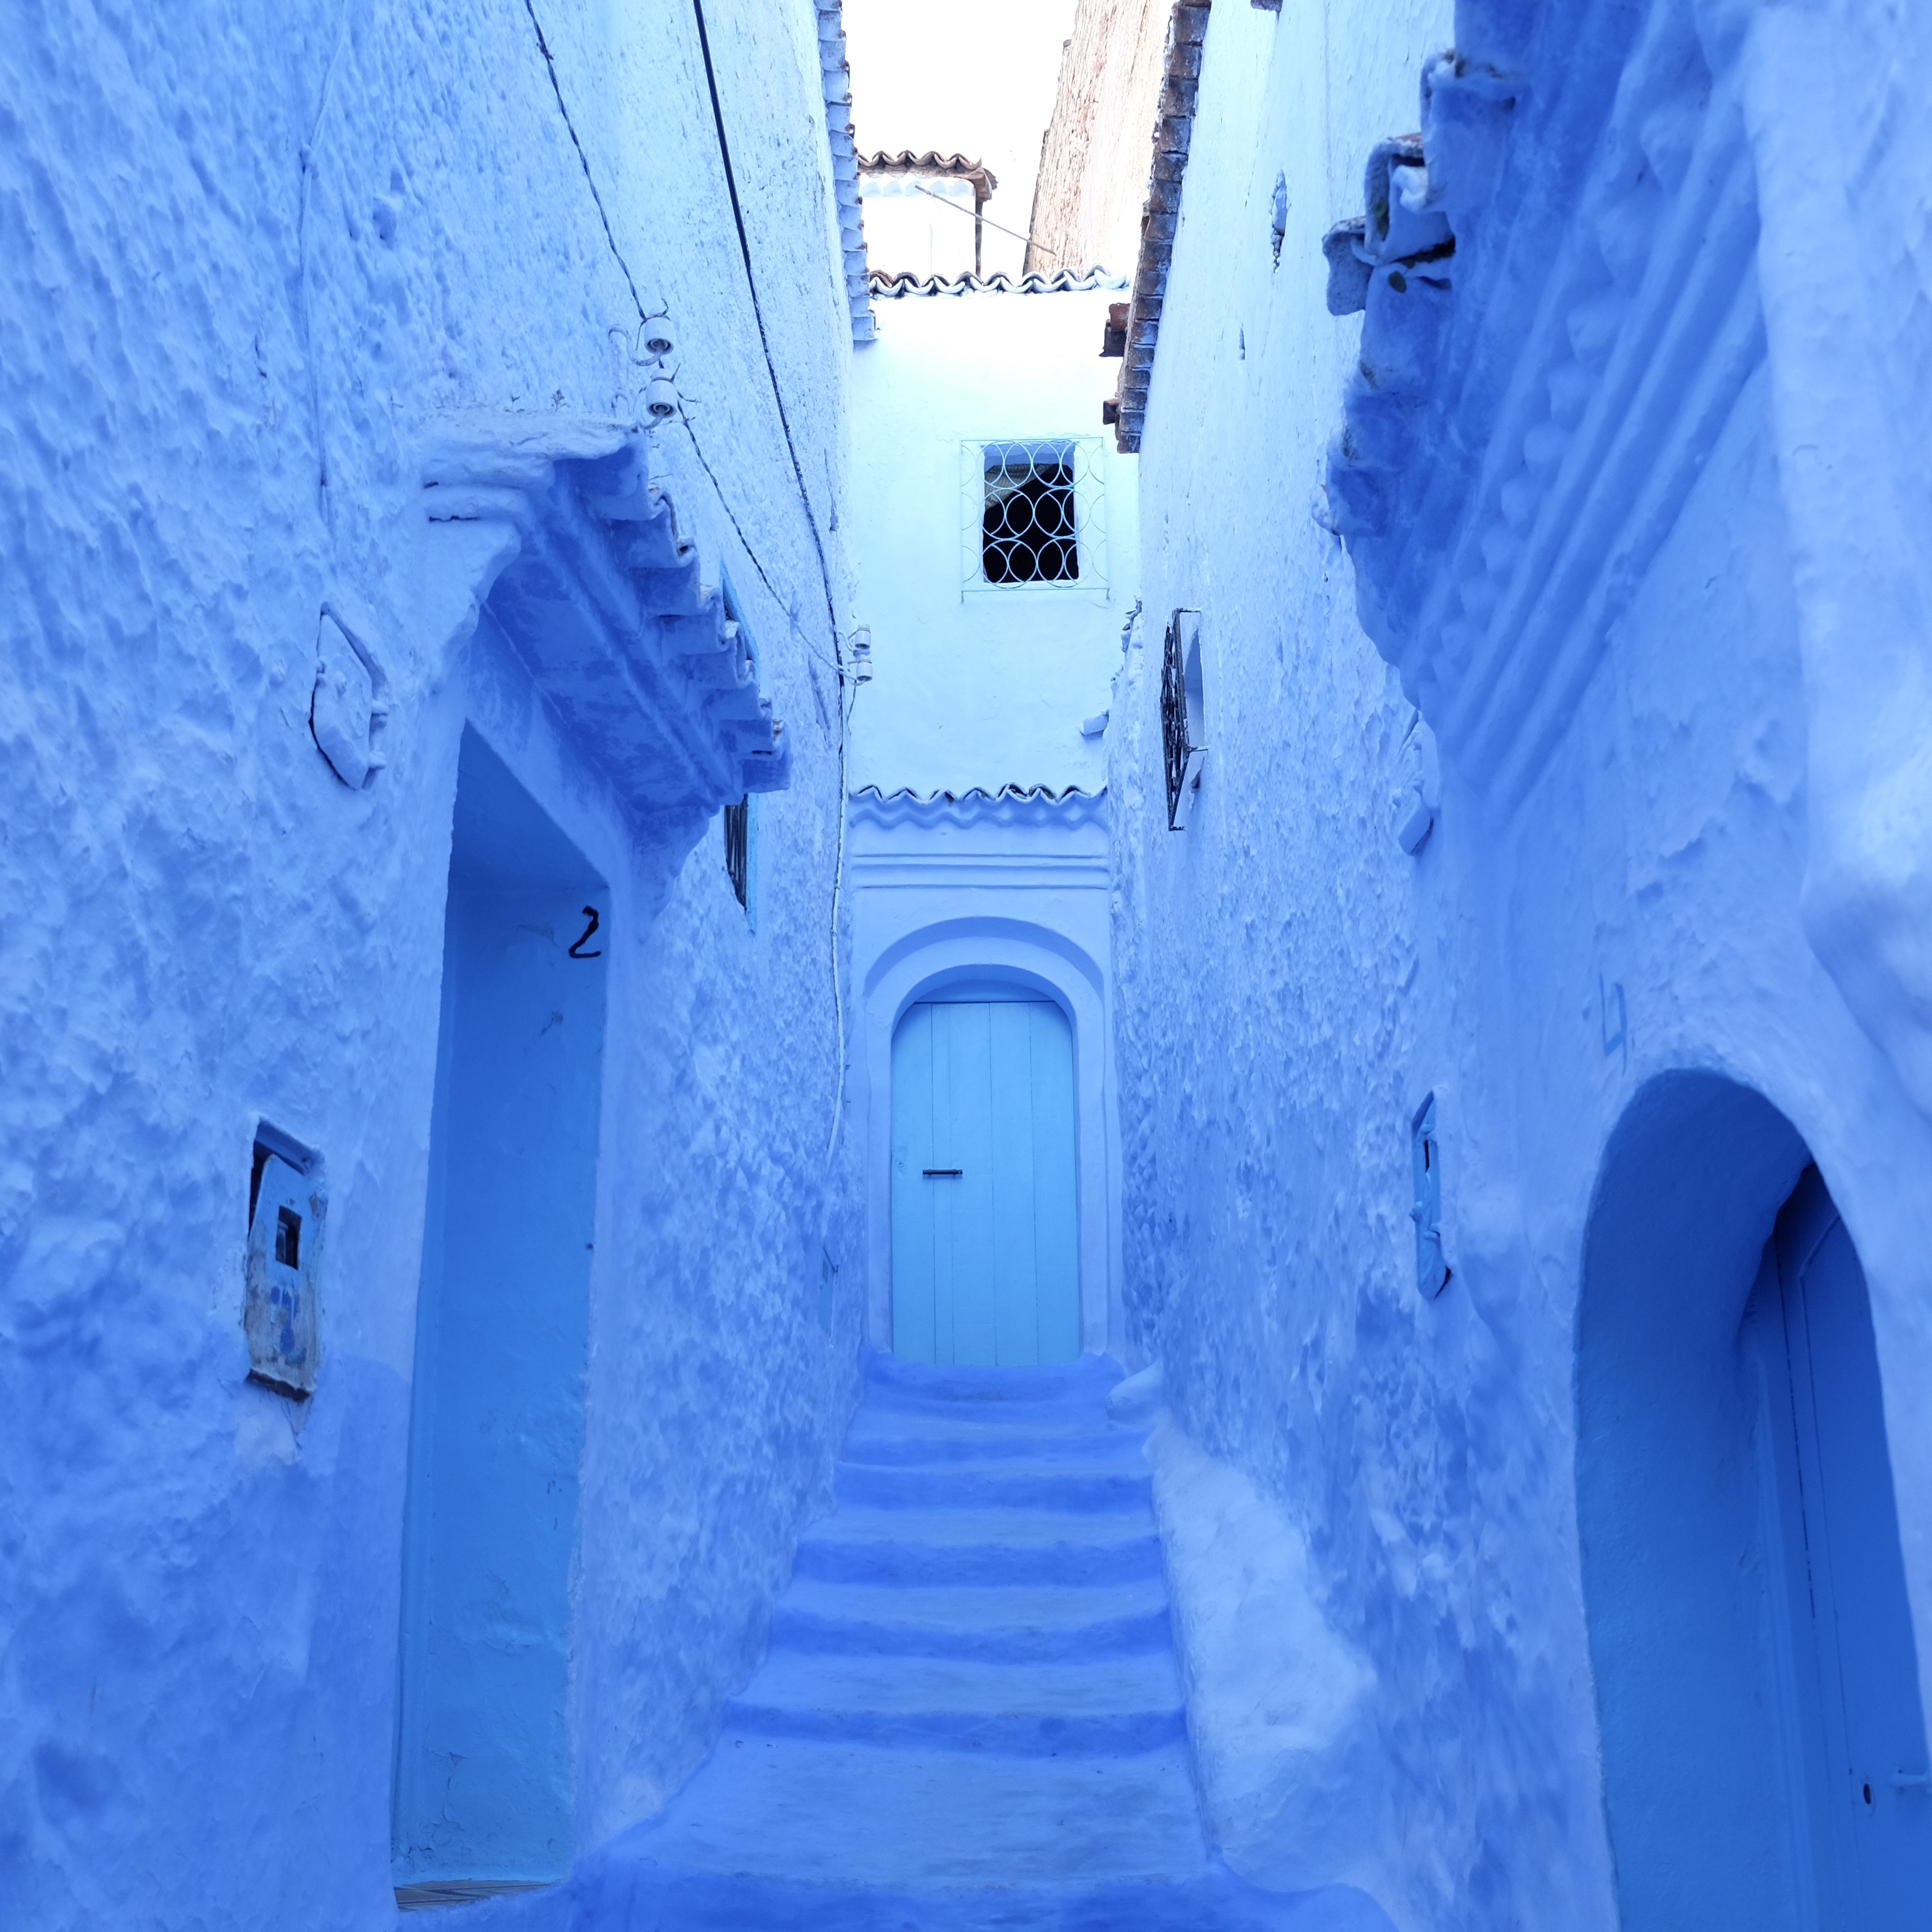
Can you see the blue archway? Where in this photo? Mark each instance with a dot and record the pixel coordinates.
(1756, 1686)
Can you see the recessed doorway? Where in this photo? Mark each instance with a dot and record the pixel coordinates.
(1843, 1621)
(1764, 1751)
(483, 1787)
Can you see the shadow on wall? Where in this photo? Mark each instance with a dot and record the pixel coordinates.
(1763, 1751)
(482, 1772)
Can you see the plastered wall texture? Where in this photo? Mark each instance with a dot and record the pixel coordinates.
(1289, 985)
(252, 256)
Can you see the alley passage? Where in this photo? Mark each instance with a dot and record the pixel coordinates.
(970, 1713)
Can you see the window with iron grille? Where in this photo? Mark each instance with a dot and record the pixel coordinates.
(738, 848)
(1035, 514)
(1183, 707)
(741, 821)
(1027, 531)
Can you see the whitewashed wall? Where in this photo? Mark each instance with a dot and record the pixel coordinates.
(985, 688)
(968, 860)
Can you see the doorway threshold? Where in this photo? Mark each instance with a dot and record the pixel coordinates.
(460, 1892)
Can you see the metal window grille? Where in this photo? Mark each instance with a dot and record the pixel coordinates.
(738, 845)
(1035, 514)
(1180, 690)
(1028, 532)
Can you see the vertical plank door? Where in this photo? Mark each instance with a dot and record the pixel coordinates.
(1878, 1783)
(985, 1246)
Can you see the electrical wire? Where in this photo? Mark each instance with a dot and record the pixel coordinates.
(758, 312)
(745, 543)
(583, 160)
(845, 709)
(637, 302)
(325, 501)
(837, 664)
(818, 544)
(945, 202)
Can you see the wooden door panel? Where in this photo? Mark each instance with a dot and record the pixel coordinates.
(1056, 1222)
(985, 1243)
(914, 1204)
(1015, 1290)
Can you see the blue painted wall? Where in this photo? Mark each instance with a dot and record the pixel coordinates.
(984, 1260)
(254, 266)
(1290, 980)
(483, 1768)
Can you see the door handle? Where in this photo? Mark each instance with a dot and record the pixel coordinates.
(942, 1173)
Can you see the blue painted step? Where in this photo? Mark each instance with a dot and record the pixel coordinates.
(988, 1445)
(1013, 1624)
(970, 1717)
(1120, 1704)
(956, 1484)
(987, 1547)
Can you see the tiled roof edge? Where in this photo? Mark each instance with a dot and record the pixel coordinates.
(837, 76)
(1045, 794)
(905, 162)
(1173, 133)
(1011, 805)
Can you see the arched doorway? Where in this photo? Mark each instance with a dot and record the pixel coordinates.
(985, 1221)
(1764, 1754)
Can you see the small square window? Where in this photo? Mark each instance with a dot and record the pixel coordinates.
(287, 1211)
(1035, 515)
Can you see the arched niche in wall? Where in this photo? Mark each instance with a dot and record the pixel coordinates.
(984, 952)
(1750, 1635)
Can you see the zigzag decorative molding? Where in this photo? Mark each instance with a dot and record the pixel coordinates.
(1532, 407)
(604, 600)
(1062, 281)
(1011, 805)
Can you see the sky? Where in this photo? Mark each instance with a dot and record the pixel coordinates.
(980, 81)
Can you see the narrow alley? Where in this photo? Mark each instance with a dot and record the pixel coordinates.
(970, 1689)
(966, 969)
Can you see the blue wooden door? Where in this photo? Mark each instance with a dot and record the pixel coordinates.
(1874, 1797)
(985, 1248)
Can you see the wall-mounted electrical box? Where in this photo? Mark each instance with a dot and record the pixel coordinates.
(347, 713)
(284, 1269)
(1432, 1271)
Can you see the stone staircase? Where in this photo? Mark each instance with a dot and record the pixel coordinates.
(970, 1715)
